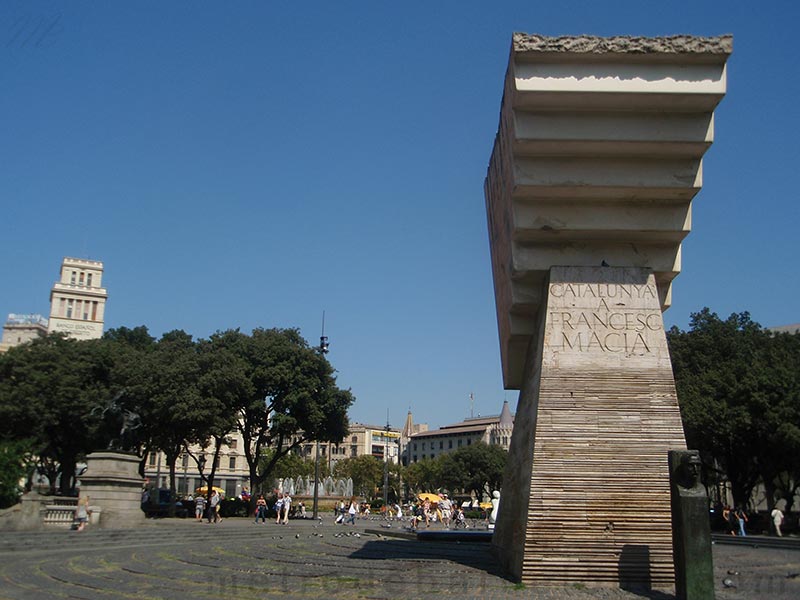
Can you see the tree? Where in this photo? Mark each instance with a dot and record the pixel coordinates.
(283, 394)
(15, 464)
(50, 391)
(159, 380)
(475, 468)
(365, 471)
(424, 476)
(738, 387)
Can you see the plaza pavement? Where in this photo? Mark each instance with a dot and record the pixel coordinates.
(182, 559)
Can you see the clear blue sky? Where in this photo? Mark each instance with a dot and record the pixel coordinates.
(253, 164)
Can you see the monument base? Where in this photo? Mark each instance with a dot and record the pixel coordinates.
(586, 495)
(114, 487)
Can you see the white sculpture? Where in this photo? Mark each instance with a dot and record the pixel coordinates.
(495, 506)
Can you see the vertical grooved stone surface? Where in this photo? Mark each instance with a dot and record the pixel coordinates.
(602, 414)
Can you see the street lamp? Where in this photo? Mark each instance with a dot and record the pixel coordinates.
(386, 466)
(323, 350)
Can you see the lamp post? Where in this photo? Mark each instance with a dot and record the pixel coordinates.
(323, 350)
(386, 466)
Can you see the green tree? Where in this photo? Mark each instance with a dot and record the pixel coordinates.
(475, 468)
(737, 387)
(365, 471)
(15, 464)
(424, 476)
(50, 393)
(283, 394)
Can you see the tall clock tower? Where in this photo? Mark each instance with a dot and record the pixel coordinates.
(78, 299)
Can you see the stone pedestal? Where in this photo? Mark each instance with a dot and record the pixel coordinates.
(586, 495)
(691, 532)
(114, 487)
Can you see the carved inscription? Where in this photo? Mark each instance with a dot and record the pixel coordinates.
(603, 317)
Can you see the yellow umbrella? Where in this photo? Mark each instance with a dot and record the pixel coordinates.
(485, 505)
(434, 499)
(204, 490)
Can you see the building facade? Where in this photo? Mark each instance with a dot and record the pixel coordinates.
(232, 473)
(493, 431)
(78, 300)
(21, 329)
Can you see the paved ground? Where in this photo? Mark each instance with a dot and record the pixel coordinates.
(180, 559)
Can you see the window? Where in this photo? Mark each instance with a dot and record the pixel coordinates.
(230, 488)
(89, 280)
(423, 457)
(354, 451)
(69, 308)
(185, 460)
(94, 311)
(459, 443)
(80, 279)
(423, 445)
(449, 443)
(234, 443)
(415, 447)
(72, 278)
(354, 439)
(441, 445)
(152, 461)
(415, 458)
(232, 463)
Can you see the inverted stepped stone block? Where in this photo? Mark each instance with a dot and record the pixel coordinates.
(589, 188)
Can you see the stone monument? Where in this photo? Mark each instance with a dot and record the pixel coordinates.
(112, 479)
(691, 533)
(595, 164)
(114, 486)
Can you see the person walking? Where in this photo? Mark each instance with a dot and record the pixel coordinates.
(213, 508)
(279, 508)
(351, 512)
(199, 507)
(741, 516)
(82, 512)
(287, 505)
(777, 520)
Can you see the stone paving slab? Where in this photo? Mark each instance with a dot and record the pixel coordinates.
(182, 560)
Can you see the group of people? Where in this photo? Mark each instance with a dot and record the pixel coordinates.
(213, 505)
(736, 519)
(444, 510)
(282, 507)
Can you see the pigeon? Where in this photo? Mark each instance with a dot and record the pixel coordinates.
(604, 264)
(297, 536)
(728, 583)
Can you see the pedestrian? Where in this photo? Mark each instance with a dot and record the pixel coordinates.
(199, 507)
(213, 508)
(446, 507)
(730, 519)
(302, 508)
(279, 508)
(777, 520)
(351, 512)
(82, 512)
(287, 505)
(261, 509)
(741, 516)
